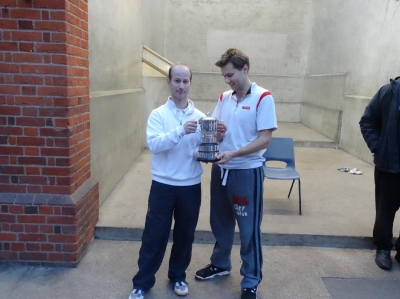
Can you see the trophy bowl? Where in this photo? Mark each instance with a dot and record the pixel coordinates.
(207, 157)
(208, 148)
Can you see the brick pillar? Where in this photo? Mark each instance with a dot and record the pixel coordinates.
(49, 202)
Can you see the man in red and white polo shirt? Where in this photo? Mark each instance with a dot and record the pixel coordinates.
(248, 114)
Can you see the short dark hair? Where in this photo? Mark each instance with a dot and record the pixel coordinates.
(178, 64)
(236, 57)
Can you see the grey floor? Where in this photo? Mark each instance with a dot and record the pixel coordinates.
(335, 204)
(290, 272)
(334, 260)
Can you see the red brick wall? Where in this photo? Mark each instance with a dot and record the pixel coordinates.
(44, 96)
(49, 204)
(48, 231)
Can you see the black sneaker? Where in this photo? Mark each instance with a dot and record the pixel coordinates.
(249, 293)
(210, 271)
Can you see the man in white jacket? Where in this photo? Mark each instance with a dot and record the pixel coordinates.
(173, 136)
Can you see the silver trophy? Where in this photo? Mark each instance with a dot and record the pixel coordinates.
(208, 148)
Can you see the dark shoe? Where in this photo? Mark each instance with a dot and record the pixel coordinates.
(397, 257)
(382, 259)
(250, 293)
(210, 271)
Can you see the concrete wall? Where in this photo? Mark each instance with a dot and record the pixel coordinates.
(207, 87)
(157, 91)
(152, 15)
(351, 138)
(322, 60)
(323, 102)
(358, 38)
(117, 31)
(273, 33)
(153, 82)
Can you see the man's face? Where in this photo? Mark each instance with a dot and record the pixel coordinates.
(233, 77)
(180, 82)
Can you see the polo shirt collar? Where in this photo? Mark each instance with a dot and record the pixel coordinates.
(247, 93)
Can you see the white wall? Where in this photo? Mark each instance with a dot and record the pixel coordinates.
(117, 31)
(322, 60)
(152, 14)
(273, 33)
(115, 45)
(323, 103)
(351, 138)
(358, 38)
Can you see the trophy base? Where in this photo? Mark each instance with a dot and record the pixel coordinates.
(208, 160)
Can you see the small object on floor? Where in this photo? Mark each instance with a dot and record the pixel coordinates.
(349, 170)
(355, 171)
(383, 260)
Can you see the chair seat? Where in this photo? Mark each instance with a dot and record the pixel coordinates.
(275, 173)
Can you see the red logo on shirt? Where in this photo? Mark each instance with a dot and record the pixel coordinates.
(240, 200)
(246, 107)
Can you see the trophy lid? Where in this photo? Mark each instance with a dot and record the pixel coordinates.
(208, 117)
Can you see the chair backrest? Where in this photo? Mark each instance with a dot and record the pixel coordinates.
(281, 149)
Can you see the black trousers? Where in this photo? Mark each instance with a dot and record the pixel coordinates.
(387, 202)
(165, 202)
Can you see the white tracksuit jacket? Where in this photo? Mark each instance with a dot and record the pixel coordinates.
(173, 160)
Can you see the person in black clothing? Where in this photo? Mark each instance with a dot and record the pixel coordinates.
(380, 127)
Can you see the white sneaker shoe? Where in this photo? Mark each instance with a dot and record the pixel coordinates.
(181, 288)
(136, 294)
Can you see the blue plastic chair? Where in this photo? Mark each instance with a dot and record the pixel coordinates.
(282, 150)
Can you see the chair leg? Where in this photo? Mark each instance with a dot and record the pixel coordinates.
(290, 189)
(299, 198)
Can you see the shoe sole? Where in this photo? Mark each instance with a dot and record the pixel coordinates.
(212, 276)
(181, 294)
(384, 268)
(136, 297)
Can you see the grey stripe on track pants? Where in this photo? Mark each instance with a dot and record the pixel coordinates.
(241, 201)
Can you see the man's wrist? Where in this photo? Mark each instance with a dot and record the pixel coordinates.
(182, 131)
(235, 154)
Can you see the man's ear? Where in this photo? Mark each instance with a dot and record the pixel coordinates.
(246, 68)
